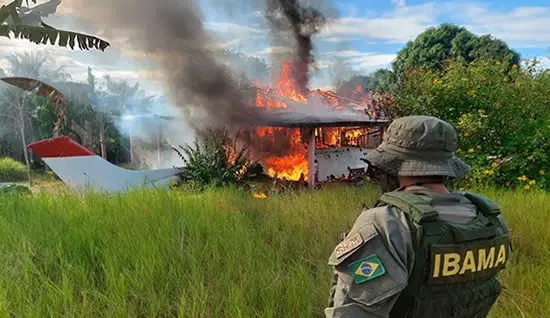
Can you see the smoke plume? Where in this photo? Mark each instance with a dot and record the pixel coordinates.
(304, 23)
(172, 34)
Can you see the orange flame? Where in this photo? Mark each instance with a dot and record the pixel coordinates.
(259, 195)
(352, 136)
(294, 164)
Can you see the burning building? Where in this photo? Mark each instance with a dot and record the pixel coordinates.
(315, 137)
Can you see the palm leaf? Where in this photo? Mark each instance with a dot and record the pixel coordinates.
(45, 33)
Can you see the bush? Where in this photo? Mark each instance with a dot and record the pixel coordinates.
(500, 114)
(213, 160)
(12, 171)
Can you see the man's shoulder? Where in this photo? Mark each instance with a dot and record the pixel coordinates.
(372, 261)
(377, 215)
(384, 223)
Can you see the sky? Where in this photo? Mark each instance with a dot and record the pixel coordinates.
(363, 34)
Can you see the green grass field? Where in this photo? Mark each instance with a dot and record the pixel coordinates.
(217, 254)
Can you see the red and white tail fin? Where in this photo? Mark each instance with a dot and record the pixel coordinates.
(79, 168)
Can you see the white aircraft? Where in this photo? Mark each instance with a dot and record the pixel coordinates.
(81, 169)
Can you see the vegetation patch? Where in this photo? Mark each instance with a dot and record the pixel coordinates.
(219, 253)
(214, 159)
(12, 171)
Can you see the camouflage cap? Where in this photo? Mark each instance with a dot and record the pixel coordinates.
(419, 146)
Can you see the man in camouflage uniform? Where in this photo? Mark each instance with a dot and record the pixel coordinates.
(422, 251)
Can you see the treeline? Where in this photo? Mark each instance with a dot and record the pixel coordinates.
(90, 110)
(93, 111)
(499, 103)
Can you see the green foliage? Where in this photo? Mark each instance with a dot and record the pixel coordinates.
(432, 48)
(14, 189)
(44, 117)
(381, 80)
(11, 25)
(213, 160)
(220, 253)
(501, 115)
(12, 171)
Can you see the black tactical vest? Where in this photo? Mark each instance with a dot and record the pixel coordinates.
(456, 265)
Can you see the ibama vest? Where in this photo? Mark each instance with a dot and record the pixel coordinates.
(454, 273)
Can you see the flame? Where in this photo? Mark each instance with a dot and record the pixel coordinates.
(293, 165)
(286, 86)
(328, 137)
(259, 195)
(291, 160)
(290, 167)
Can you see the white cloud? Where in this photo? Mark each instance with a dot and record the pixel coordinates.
(375, 61)
(400, 3)
(232, 28)
(274, 50)
(401, 25)
(363, 61)
(323, 64)
(62, 57)
(226, 44)
(519, 27)
(345, 53)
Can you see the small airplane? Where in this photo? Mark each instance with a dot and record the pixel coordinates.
(81, 169)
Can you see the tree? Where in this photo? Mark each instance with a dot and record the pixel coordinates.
(118, 98)
(432, 48)
(16, 104)
(501, 116)
(44, 90)
(26, 23)
(100, 115)
(381, 80)
(356, 84)
(252, 67)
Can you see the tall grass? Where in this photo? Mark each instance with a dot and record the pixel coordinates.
(12, 171)
(216, 254)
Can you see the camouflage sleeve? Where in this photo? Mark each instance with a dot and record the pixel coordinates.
(334, 281)
(371, 266)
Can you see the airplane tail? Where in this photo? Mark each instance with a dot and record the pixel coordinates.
(79, 168)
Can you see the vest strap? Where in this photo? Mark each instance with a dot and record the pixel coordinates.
(411, 204)
(486, 206)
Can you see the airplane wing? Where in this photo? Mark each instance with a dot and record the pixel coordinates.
(81, 169)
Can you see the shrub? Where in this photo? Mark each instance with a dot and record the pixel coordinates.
(213, 160)
(500, 114)
(12, 171)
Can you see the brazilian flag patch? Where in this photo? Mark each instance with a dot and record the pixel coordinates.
(366, 269)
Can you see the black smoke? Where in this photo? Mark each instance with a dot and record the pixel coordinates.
(173, 35)
(304, 22)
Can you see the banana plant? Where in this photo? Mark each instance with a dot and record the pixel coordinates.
(26, 23)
